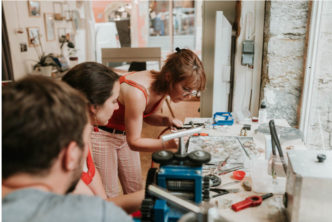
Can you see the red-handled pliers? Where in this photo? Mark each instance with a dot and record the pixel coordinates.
(251, 201)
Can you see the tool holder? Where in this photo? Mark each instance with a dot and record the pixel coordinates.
(223, 118)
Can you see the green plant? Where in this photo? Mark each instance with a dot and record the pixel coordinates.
(46, 60)
(66, 39)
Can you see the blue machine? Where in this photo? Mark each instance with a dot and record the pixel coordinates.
(181, 175)
(183, 181)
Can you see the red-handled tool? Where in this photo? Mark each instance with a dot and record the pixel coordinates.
(251, 201)
(200, 134)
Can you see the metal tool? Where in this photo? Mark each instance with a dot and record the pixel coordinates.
(223, 163)
(230, 170)
(214, 180)
(220, 165)
(231, 183)
(251, 201)
(244, 149)
(190, 125)
(221, 192)
(276, 143)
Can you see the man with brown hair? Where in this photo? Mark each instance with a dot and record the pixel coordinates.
(45, 134)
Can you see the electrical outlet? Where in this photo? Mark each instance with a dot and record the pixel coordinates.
(248, 49)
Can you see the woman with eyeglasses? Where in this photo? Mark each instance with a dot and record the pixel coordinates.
(116, 146)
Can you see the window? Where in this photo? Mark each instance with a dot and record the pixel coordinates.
(183, 33)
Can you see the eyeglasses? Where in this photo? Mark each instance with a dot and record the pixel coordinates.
(188, 92)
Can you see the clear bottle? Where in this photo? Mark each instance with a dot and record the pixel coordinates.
(262, 115)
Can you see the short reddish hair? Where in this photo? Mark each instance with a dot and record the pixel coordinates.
(183, 65)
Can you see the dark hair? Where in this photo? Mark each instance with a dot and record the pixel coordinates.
(94, 80)
(40, 117)
(181, 65)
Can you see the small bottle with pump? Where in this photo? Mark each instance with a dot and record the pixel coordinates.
(262, 115)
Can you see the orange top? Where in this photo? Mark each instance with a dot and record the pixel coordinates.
(118, 121)
(88, 176)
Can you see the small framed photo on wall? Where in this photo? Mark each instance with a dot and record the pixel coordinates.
(58, 10)
(49, 26)
(33, 36)
(34, 8)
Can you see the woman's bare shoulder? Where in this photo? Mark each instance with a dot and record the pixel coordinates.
(120, 72)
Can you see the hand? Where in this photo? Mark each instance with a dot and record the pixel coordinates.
(171, 144)
(173, 123)
(176, 122)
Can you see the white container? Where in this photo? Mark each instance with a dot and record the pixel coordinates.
(262, 182)
(309, 185)
(46, 70)
(268, 146)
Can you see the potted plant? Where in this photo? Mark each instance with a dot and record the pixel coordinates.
(46, 63)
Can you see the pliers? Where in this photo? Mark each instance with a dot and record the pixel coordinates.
(219, 192)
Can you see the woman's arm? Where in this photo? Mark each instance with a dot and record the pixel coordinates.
(135, 105)
(129, 202)
(157, 119)
(97, 187)
(82, 188)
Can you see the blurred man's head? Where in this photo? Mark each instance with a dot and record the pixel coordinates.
(43, 121)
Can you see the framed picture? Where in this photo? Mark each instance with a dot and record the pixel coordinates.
(33, 36)
(58, 10)
(34, 8)
(49, 26)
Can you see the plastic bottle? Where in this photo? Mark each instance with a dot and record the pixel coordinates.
(262, 115)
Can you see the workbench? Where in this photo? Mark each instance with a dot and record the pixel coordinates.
(271, 209)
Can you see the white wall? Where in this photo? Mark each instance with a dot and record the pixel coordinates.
(16, 14)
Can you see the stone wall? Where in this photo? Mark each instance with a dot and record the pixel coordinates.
(320, 131)
(284, 41)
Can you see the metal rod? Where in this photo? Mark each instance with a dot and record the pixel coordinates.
(174, 200)
(243, 148)
(181, 134)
